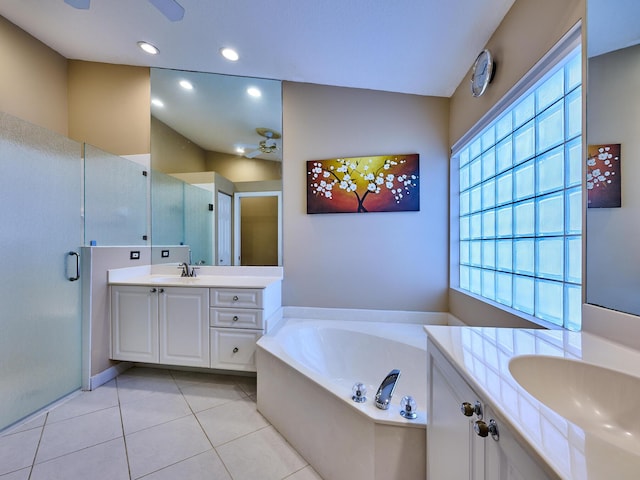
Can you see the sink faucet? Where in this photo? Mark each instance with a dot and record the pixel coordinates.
(385, 391)
(185, 270)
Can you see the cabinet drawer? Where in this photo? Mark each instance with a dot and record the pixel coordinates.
(234, 349)
(236, 297)
(235, 317)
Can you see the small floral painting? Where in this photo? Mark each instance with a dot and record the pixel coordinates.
(603, 176)
(383, 183)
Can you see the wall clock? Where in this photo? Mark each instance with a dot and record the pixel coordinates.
(484, 68)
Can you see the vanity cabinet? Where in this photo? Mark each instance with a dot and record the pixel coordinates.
(237, 318)
(454, 447)
(165, 325)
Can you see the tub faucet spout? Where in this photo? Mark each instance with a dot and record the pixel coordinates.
(385, 391)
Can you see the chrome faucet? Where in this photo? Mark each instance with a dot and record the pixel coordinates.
(385, 391)
(185, 270)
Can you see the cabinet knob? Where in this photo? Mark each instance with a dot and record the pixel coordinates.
(235, 298)
(161, 290)
(235, 350)
(235, 318)
(153, 290)
(483, 430)
(469, 410)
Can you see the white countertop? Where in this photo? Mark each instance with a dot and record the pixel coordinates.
(207, 276)
(482, 356)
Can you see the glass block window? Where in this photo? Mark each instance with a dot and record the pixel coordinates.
(520, 201)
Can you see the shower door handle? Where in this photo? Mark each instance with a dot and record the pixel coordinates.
(77, 275)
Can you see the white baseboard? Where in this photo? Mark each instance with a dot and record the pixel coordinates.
(108, 374)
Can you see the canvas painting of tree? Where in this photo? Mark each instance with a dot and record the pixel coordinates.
(383, 183)
(604, 181)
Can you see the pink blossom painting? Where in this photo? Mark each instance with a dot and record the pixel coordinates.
(383, 183)
(603, 176)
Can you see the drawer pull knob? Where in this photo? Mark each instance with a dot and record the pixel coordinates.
(235, 298)
(153, 290)
(235, 318)
(235, 350)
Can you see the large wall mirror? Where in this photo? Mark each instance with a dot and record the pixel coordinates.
(216, 168)
(613, 109)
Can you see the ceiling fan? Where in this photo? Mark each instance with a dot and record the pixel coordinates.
(169, 8)
(268, 145)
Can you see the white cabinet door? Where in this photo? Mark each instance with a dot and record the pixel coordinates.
(506, 459)
(184, 326)
(453, 449)
(234, 349)
(134, 324)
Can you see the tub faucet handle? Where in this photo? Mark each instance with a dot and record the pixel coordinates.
(359, 392)
(408, 408)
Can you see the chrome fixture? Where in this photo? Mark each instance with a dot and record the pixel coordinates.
(359, 392)
(408, 407)
(186, 271)
(484, 430)
(469, 410)
(385, 391)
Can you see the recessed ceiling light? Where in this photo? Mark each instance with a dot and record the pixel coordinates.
(148, 48)
(254, 92)
(186, 84)
(230, 54)
(157, 102)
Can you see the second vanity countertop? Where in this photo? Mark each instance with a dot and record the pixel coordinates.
(482, 356)
(207, 276)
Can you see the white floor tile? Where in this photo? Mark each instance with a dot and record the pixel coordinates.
(158, 447)
(248, 384)
(80, 432)
(19, 475)
(202, 396)
(230, 421)
(106, 461)
(133, 388)
(263, 455)
(152, 410)
(86, 402)
(18, 450)
(307, 473)
(206, 466)
(36, 422)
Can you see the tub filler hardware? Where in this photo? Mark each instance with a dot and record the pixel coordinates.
(483, 430)
(408, 408)
(359, 392)
(469, 410)
(386, 389)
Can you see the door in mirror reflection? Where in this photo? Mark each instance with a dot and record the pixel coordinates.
(224, 229)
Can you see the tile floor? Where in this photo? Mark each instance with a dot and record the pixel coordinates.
(157, 425)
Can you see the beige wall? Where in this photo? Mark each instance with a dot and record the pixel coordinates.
(613, 279)
(33, 82)
(394, 261)
(527, 32)
(172, 152)
(242, 169)
(109, 106)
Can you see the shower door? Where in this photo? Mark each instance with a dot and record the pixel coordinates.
(40, 314)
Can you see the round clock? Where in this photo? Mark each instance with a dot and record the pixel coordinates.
(482, 74)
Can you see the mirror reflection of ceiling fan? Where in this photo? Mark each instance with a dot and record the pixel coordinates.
(169, 8)
(268, 145)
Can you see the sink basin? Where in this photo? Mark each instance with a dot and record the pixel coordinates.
(597, 399)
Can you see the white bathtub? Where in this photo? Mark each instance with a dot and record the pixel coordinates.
(306, 370)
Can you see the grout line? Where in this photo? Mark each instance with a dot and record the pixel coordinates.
(124, 437)
(35, 455)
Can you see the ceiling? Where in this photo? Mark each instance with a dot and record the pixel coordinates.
(422, 47)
